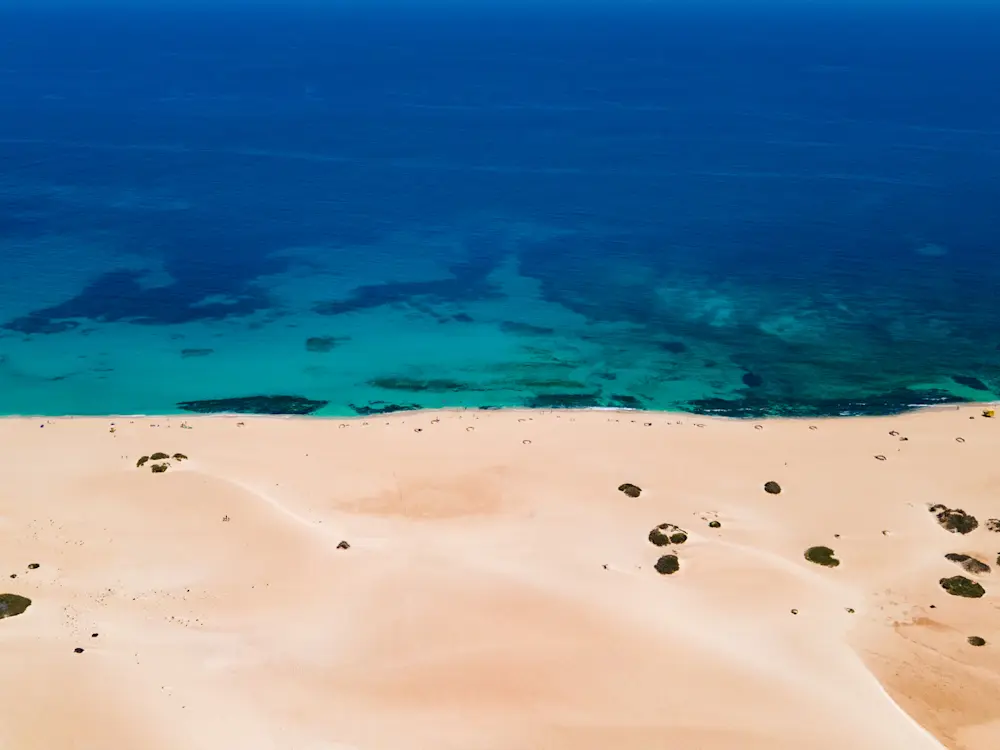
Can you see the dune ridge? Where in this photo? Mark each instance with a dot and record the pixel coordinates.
(497, 589)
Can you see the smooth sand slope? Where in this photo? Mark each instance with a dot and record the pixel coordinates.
(499, 591)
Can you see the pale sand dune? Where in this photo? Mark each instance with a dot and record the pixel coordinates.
(497, 594)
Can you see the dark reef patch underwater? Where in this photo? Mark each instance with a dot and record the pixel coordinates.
(254, 405)
(616, 205)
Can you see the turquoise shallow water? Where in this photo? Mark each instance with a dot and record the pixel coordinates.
(324, 212)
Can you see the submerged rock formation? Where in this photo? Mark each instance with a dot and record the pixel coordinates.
(969, 382)
(415, 385)
(381, 407)
(323, 344)
(254, 405)
(878, 404)
(189, 353)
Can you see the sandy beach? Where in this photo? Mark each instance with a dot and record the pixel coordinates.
(497, 590)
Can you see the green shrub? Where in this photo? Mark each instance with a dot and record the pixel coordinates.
(158, 468)
(957, 521)
(822, 556)
(159, 456)
(180, 457)
(969, 564)
(12, 605)
(667, 533)
(772, 488)
(962, 586)
(667, 565)
(141, 462)
(630, 489)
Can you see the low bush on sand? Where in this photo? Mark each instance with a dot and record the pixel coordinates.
(822, 556)
(962, 586)
(667, 565)
(12, 605)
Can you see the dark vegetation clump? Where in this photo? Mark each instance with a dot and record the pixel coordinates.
(962, 586)
(714, 524)
(993, 524)
(667, 533)
(667, 565)
(772, 488)
(752, 380)
(822, 556)
(969, 564)
(33, 566)
(158, 468)
(159, 456)
(141, 462)
(180, 457)
(957, 521)
(975, 640)
(630, 489)
(343, 545)
(12, 605)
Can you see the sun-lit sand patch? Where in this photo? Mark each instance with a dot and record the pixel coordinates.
(468, 579)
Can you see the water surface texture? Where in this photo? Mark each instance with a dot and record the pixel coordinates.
(737, 209)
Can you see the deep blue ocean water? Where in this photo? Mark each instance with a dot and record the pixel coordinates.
(735, 208)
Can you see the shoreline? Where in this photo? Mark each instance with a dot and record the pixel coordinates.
(917, 409)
